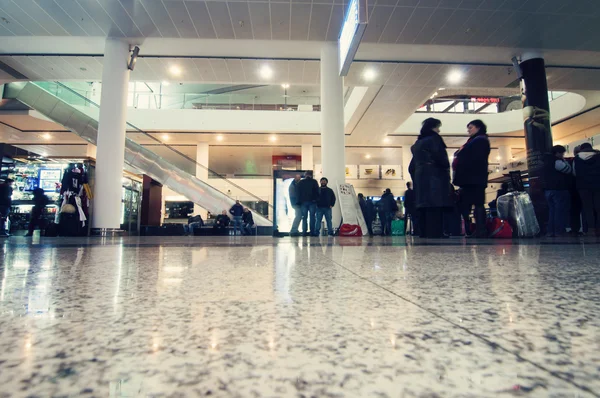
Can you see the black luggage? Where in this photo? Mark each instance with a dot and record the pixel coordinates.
(51, 230)
(69, 225)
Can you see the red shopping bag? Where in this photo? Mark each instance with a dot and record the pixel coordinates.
(499, 229)
(350, 230)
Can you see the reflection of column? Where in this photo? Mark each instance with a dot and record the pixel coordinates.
(110, 156)
(307, 157)
(332, 122)
(538, 133)
(505, 154)
(406, 158)
(201, 172)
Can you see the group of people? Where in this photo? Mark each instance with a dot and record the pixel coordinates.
(242, 220)
(572, 189)
(386, 209)
(311, 203)
(40, 201)
(430, 170)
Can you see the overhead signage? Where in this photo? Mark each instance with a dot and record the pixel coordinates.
(485, 100)
(351, 33)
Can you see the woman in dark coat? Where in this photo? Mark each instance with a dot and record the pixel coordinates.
(471, 175)
(430, 172)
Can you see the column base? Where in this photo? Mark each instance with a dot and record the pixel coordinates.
(106, 232)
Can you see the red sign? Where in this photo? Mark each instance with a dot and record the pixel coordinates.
(485, 100)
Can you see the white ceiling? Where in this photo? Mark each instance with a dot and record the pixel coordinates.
(552, 24)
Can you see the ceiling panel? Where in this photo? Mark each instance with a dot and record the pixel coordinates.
(301, 13)
(59, 15)
(221, 71)
(180, 16)
(240, 16)
(77, 13)
(260, 16)
(378, 20)
(219, 14)
(419, 17)
(335, 22)
(160, 17)
(141, 18)
(21, 17)
(280, 21)
(437, 20)
(201, 19)
(205, 69)
(319, 21)
(236, 70)
(101, 17)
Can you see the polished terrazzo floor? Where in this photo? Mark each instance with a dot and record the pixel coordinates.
(305, 317)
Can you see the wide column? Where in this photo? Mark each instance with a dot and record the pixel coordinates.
(406, 158)
(332, 122)
(111, 137)
(201, 173)
(307, 157)
(505, 154)
(538, 133)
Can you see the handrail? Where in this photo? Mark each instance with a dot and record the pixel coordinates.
(214, 173)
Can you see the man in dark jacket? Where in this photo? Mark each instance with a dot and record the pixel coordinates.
(471, 175)
(221, 223)
(366, 212)
(387, 210)
(410, 209)
(586, 168)
(248, 222)
(40, 201)
(308, 194)
(237, 211)
(293, 194)
(6, 191)
(325, 203)
(557, 180)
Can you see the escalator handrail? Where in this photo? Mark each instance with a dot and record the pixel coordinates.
(214, 173)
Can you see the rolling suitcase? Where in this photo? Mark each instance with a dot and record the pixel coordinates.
(517, 209)
(376, 226)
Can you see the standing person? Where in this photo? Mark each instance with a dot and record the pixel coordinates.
(6, 191)
(430, 171)
(308, 194)
(40, 201)
(387, 210)
(470, 167)
(557, 179)
(410, 211)
(293, 194)
(237, 211)
(586, 168)
(248, 222)
(367, 214)
(325, 203)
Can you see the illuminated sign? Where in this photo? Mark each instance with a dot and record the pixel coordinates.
(351, 33)
(485, 100)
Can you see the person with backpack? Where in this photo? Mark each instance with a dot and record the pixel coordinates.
(40, 201)
(586, 168)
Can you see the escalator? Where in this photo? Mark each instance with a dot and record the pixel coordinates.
(41, 97)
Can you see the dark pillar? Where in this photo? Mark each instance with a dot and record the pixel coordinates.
(151, 202)
(538, 133)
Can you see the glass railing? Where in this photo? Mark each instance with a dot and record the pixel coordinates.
(165, 151)
(153, 100)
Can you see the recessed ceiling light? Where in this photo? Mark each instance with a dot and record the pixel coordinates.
(47, 136)
(165, 137)
(165, 83)
(498, 157)
(273, 138)
(455, 77)
(175, 70)
(219, 138)
(285, 85)
(441, 89)
(370, 74)
(368, 156)
(266, 72)
(386, 140)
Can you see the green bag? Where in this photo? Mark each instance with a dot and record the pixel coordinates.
(398, 227)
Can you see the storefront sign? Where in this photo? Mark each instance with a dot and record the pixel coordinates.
(352, 32)
(485, 100)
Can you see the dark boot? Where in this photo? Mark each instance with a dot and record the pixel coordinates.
(481, 230)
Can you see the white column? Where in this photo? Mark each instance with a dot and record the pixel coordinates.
(333, 154)
(307, 157)
(111, 136)
(201, 172)
(505, 154)
(406, 158)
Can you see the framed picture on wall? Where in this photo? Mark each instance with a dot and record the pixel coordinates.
(351, 171)
(370, 172)
(391, 172)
